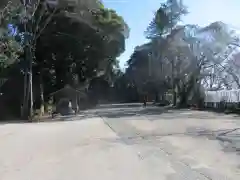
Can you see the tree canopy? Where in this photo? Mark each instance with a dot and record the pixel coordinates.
(10, 45)
(60, 44)
(185, 58)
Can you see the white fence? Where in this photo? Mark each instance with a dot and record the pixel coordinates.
(229, 96)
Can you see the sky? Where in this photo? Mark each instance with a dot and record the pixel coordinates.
(139, 13)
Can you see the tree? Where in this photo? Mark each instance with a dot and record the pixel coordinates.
(10, 41)
(165, 19)
(196, 51)
(162, 30)
(10, 47)
(203, 58)
(88, 49)
(190, 57)
(69, 44)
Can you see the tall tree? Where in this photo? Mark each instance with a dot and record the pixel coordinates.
(70, 43)
(161, 31)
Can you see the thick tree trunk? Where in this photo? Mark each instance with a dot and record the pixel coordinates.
(29, 98)
(185, 92)
(26, 107)
(183, 100)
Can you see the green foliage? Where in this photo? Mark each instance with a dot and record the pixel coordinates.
(10, 49)
(12, 13)
(69, 50)
(101, 5)
(108, 19)
(158, 24)
(147, 65)
(165, 19)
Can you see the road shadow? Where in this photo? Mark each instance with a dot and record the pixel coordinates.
(156, 113)
(51, 120)
(131, 112)
(117, 111)
(229, 139)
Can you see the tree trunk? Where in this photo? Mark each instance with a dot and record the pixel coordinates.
(156, 97)
(185, 92)
(183, 100)
(29, 99)
(24, 103)
(41, 94)
(174, 95)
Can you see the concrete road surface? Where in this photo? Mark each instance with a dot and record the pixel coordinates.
(123, 142)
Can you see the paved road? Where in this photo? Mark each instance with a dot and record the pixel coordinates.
(123, 142)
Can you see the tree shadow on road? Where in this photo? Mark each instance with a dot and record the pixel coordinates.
(51, 120)
(131, 112)
(154, 113)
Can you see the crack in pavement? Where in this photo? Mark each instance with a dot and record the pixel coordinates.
(173, 160)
